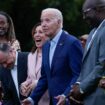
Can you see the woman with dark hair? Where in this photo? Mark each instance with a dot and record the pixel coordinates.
(34, 64)
(7, 31)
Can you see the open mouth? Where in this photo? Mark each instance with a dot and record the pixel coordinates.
(38, 40)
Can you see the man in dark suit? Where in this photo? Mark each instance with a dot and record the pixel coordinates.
(61, 60)
(13, 72)
(93, 67)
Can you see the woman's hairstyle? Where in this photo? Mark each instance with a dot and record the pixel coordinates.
(11, 32)
(33, 32)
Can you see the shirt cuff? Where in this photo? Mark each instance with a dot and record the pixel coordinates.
(63, 95)
(103, 77)
(31, 100)
(78, 83)
(81, 91)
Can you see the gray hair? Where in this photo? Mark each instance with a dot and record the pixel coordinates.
(57, 14)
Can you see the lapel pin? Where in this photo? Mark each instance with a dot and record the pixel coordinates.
(61, 44)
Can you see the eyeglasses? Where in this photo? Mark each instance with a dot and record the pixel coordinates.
(99, 8)
(94, 8)
(85, 12)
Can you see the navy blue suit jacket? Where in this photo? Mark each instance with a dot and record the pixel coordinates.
(64, 71)
(9, 89)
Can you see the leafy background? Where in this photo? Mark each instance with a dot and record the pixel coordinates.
(26, 13)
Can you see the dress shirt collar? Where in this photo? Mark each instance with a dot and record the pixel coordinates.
(16, 59)
(57, 36)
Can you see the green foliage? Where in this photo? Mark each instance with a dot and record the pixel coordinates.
(26, 13)
(72, 12)
(6, 5)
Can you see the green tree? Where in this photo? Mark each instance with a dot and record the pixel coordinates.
(26, 13)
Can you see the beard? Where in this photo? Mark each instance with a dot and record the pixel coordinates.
(93, 22)
(3, 31)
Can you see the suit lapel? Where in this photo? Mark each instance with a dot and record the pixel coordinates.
(97, 33)
(47, 49)
(88, 40)
(58, 49)
(45, 57)
(20, 69)
(12, 84)
(20, 74)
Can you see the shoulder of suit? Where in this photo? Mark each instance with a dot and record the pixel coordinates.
(23, 53)
(23, 56)
(71, 38)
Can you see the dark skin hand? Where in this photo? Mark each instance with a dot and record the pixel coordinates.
(102, 83)
(75, 92)
(75, 96)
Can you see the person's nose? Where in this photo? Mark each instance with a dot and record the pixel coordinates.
(43, 24)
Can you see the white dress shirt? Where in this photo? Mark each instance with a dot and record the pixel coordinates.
(14, 75)
(53, 44)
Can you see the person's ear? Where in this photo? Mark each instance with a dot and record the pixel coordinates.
(10, 50)
(59, 21)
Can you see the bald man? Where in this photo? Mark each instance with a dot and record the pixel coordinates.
(93, 67)
(61, 62)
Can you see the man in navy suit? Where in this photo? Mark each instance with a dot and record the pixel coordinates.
(61, 61)
(13, 71)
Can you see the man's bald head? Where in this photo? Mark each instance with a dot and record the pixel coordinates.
(93, 3)
(94, 12)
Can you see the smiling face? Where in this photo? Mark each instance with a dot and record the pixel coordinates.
(3, 25)
(39, 37)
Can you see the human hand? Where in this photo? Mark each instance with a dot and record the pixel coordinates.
(25, 87)
(61, 99)
(75, 92)
(73, 101)
(102, 83)
(33, 84)
(26, 102)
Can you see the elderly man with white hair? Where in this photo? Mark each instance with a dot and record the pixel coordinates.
(61, 62)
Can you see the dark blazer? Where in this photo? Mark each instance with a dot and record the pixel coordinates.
(93, 68)
(64, 71)
(9, 89)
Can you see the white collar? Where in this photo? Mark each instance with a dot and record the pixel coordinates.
(57, 36)
(16, 59)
